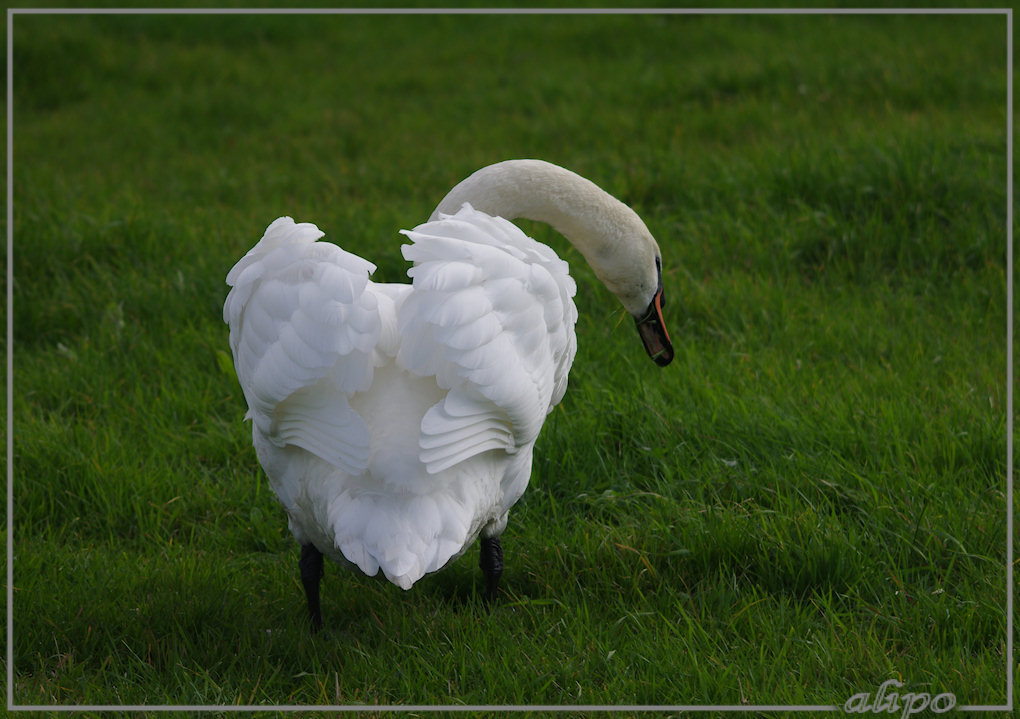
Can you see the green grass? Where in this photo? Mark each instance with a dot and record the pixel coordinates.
(810, 500)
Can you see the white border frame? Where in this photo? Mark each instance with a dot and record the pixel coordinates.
(12, 12)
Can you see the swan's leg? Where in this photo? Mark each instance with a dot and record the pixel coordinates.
(310, 565)
(491, 562)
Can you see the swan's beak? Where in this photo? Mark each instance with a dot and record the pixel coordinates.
(653, 331)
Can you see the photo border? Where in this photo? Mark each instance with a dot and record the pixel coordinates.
(12, 12)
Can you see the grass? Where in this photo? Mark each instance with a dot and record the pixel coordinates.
(810, 500)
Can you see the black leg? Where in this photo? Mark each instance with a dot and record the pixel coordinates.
(491, 562)
(310, 565)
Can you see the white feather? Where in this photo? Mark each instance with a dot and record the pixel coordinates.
(397, 422)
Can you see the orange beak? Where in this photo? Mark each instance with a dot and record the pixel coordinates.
(653, 332)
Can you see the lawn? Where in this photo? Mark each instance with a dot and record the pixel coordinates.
(808, 502)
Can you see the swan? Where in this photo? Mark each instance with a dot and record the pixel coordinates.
(396, 422)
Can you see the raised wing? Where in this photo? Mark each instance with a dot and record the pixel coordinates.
(491, 316)
(303, 328)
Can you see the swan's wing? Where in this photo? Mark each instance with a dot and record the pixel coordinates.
(303, 328)
(491, 317)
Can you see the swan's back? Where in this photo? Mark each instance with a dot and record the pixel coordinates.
(396, 422)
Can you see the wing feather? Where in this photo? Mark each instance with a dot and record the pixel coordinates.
(491, 316)
(303, 327)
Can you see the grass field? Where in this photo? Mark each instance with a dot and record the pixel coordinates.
(809, 501)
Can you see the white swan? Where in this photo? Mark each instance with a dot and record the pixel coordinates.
(396, 422)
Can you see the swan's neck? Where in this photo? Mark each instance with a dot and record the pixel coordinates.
(608, 234)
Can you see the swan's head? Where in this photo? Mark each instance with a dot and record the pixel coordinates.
(628, 262)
